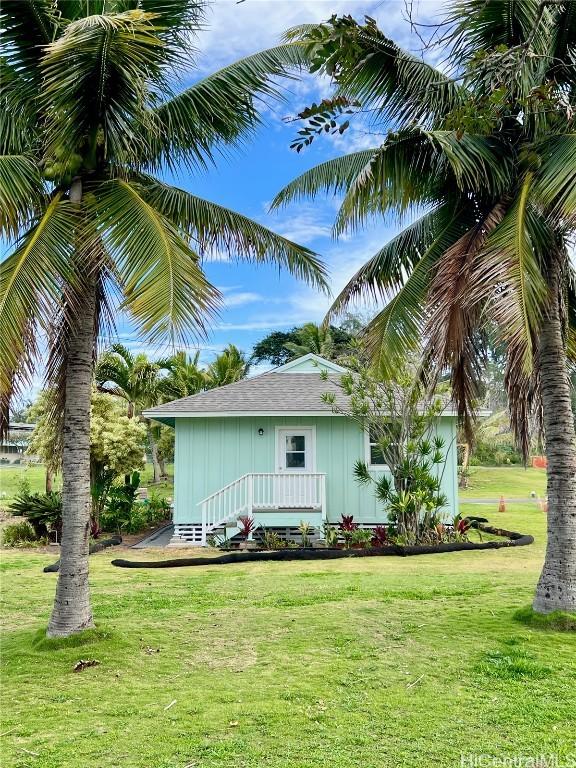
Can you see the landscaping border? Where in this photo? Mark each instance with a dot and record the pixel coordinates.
(113, 541)
(513, 539)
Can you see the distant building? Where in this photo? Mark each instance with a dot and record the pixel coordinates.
(13, 446)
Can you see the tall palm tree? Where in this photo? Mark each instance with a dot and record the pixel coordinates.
(138, 381)
(90, 114)
(229, 366)
(483, 152)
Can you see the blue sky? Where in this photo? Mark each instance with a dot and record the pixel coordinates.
(258, 300)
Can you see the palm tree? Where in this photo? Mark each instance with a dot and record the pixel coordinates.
(229, 366)
(484, 154)
(185, 376)
(136, 380)
(90, 115)
(313, 338)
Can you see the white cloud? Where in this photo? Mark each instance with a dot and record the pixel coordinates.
(241, 298)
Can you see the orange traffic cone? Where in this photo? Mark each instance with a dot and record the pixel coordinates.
(502, 505)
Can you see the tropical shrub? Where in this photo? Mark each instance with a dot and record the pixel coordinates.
(271, 540)
(330, 534)
(379, 536)
(361, 537)
(20, 535)
(43, 510)
(119, 511)
(246, 525)
(305, 529)
(402, 421)
(347, 527)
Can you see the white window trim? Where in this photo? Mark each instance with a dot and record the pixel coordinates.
(368, 455)
(287, 427)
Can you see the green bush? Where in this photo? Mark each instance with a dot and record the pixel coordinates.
(43, 510)
(123, 514)
(20, 535)
(494, 455)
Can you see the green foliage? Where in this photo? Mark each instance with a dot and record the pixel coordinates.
(487, 148)
(119, 506)
(402, 422)
(88, 114)
(488, 454)
(123, 514)
(271, 540)
(361, 537)
(305, 529)
(43, 510)
(19, 535)
(330, 534)
(332, 342)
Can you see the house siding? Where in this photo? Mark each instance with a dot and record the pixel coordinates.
(211, 452)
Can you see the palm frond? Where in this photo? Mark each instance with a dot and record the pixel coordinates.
(116, 60)
(164, 287)
(221, 108)
(555, 181)
(371, 68)
(20, 192)
(217, 228)
(511, 265)
(481, 25)
(335, 175)
(404, 171)
(414, 167)
(480, 162)
(400, 274)
(452, 328)
(30, 281)
(27, 26)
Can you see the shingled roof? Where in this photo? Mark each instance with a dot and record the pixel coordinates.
(272, 393)
(291, 390)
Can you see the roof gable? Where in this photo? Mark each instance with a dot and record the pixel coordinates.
(310, 363)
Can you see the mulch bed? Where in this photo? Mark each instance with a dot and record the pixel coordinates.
(511, 539)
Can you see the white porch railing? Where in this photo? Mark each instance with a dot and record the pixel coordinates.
(263, 491)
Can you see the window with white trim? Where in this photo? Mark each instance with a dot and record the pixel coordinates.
(375, 457)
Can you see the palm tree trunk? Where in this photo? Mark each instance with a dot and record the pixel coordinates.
(49, 481)
(154, 453)
(556, 588)
(72, 611)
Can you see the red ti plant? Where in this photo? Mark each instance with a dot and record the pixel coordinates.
(347, 523)
(347, 527)
(379, 536)
(461, 526)
(247, 525)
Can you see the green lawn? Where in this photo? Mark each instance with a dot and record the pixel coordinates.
(510, 482)
(371, 663)
(11, 477)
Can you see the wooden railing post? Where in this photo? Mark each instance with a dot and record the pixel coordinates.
(203, 541)
(250, 492)
(323, 496)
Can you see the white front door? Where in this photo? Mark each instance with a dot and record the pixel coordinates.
(295, 450)
(295, 455)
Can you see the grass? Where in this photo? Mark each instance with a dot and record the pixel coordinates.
(510, 482)
(12, 476)
(369, 662)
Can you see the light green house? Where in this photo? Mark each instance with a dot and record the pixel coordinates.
(269, 447)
